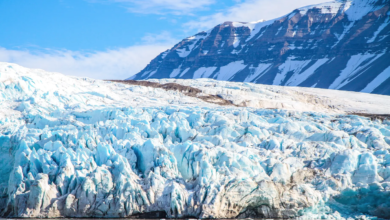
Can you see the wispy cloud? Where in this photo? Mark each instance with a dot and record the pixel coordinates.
(165, 37)
(118, 63)
(177, 7)
(250, 10)
(122, 63)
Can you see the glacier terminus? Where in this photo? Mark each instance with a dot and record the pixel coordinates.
(78, 147)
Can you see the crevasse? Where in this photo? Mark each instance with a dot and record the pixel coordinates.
(63, 157)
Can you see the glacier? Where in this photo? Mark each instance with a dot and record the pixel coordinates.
(78, 147)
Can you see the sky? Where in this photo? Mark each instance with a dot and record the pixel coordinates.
(114, 39)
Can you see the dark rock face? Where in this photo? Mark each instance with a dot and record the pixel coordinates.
(338, 45)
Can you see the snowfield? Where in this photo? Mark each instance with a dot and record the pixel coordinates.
(290, 98)
(77, 147)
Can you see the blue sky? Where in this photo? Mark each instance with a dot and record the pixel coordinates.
(114, 39)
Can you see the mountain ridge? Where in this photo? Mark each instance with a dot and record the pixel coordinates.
(336, 45)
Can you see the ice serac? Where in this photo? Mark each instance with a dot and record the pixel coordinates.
(340, 45)
(76, 147)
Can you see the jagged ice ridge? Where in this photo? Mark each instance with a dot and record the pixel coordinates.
(73, 147)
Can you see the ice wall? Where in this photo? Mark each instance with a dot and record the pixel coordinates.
(63, 157)
(200, 162)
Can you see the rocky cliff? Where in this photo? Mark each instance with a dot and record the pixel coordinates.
(337, 45)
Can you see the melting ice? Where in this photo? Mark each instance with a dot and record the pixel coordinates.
(63, 157)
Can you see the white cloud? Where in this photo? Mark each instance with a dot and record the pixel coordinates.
(111, 64)
(178, 7)
(118, 63)
(162, 38)
(250, 10)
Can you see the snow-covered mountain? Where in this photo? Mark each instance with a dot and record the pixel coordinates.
(78, 147)
(341, 45)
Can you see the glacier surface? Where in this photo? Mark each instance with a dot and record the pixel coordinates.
(73, 147)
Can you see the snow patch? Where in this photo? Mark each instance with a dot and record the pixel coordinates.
(189, 45)
(289, 65)
(236, 41)
(326, 8)
(353, 67)
(345, 31)
(175, 72)
(357, 9)
(259, 26)
(256, 72)
(226, 72)
(204, 72)
(184, 72)
(377, 81)
(298, 78)
(380, 29)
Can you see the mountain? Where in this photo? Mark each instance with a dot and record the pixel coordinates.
(85, 148)
(340, 45)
